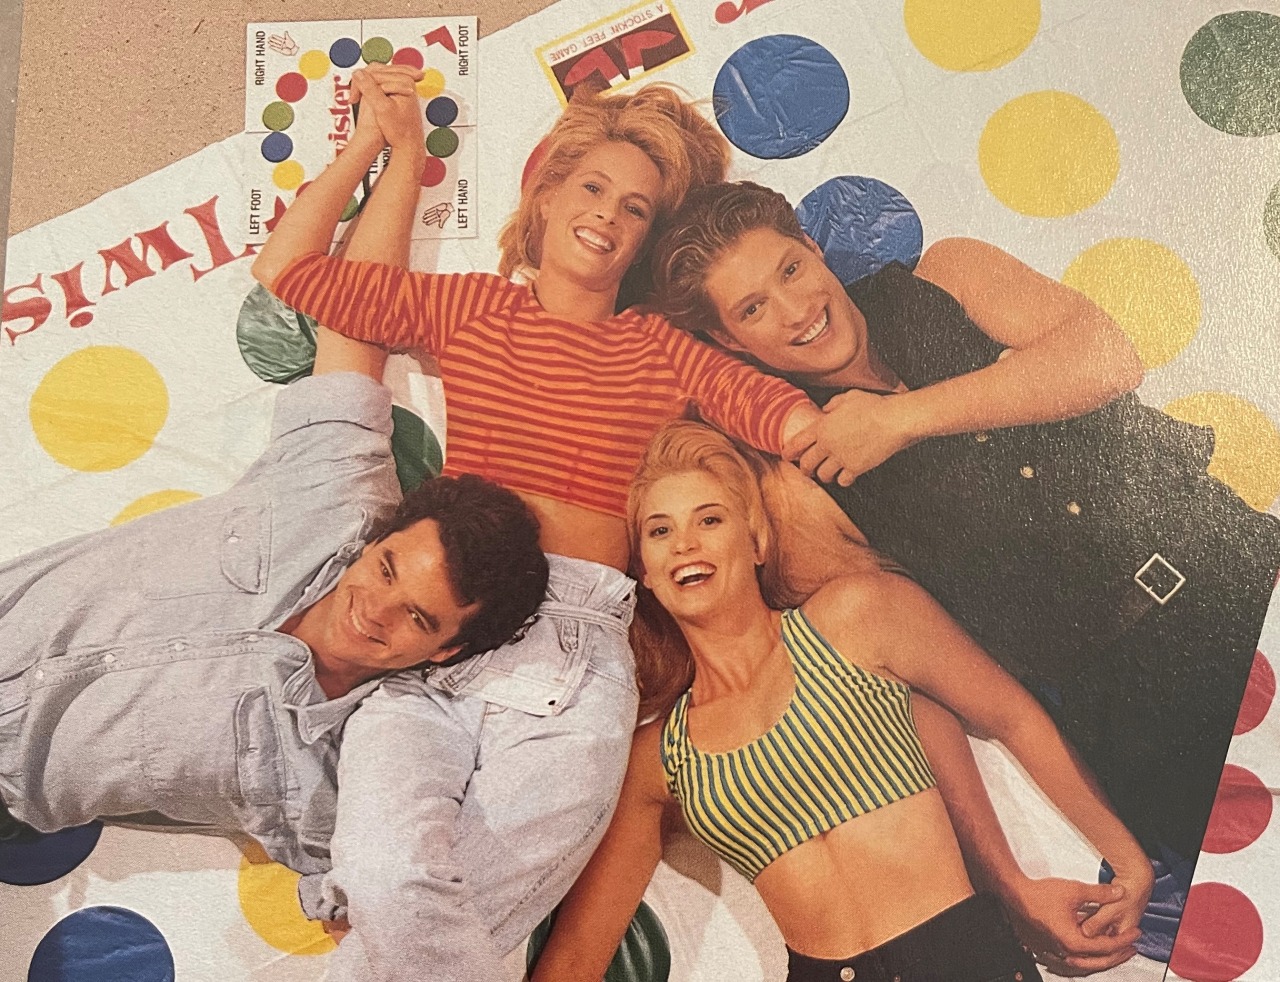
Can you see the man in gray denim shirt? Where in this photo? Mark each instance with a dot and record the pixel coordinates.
(203, 667)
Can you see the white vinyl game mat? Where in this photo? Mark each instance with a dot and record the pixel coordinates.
(1130, 149)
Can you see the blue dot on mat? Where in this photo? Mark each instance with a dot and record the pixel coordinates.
(780, 96)
(441, 111)
(33, 858)
(102, 944)
(861, 224)
(344, 52)
(277, 147)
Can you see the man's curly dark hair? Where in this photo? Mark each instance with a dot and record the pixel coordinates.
(490, 540)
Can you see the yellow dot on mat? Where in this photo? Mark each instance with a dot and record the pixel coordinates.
(1048, 154)
(269, 901)
(288, 174)
(1246, 452)
(431, 84)
(99, 408)
(314, 65)
(156, 501)
(976, 36)
(1146, 288)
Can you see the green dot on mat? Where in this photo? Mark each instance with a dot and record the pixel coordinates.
(277, 343)
(643, 956)
(349, 212)
(1271, 221)
(278, 116)
(376, 50)
(415, 448)
(442, 142)
(1231, 73)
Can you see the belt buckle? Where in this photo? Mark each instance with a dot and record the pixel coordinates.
(1152, 592)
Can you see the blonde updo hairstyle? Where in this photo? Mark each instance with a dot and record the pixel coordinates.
(686, 148)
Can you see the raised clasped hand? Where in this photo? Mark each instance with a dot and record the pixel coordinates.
(389, 111)
(857, 432)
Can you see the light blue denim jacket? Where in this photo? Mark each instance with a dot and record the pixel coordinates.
(139, 675)
(141, 678)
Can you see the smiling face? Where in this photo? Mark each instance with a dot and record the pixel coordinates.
(697, 548)
(394, 607)
(778, 302)
(596, 222)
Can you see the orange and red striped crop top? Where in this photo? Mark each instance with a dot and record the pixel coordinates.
(535, 402)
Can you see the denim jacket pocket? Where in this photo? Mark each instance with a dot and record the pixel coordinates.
(259, 755)
(226, 554)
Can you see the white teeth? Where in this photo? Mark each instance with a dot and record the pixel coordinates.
(594, 240)
(818, 327)
(359, 625)
(691, 573)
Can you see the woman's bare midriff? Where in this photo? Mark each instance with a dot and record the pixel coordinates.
(580, 533)
(868, 880)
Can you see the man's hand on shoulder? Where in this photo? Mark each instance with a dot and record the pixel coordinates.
(858, 431)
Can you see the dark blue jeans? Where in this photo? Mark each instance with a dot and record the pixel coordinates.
(970, 942)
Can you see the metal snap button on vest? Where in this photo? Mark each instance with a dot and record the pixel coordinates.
(1027, 471)
(982, 436)
(846, 974)
(233, 537)
(1074, 507)
(108, 658)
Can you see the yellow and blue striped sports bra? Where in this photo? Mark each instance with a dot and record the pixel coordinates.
(846, 745)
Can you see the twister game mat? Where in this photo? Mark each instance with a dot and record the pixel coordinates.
(1127, 149)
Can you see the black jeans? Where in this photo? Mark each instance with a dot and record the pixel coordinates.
(970, 942)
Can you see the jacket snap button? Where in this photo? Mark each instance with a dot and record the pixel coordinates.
(1074, 507)
(108, 658)
(233, 538)
(846, 973)
(1027, 471)
(982, 436)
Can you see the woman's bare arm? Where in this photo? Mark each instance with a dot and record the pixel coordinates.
(909, 636)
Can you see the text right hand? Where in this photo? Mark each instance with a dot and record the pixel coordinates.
(389, 105)
(1047, 915)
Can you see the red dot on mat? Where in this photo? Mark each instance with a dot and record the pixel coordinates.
(1221, 935)
(432, 172)
(1241, 811)
(291, 87)
(408, 56)
(1258, 695)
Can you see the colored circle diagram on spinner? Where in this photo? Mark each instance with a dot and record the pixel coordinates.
(344, 52)
(780, 96)
(442, 111)
(278, 116)
(442, 142)
(277, 147)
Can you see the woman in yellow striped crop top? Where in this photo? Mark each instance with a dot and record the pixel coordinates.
(794, 753)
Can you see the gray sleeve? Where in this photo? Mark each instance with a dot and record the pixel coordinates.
(331, 444)
(404, 769)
